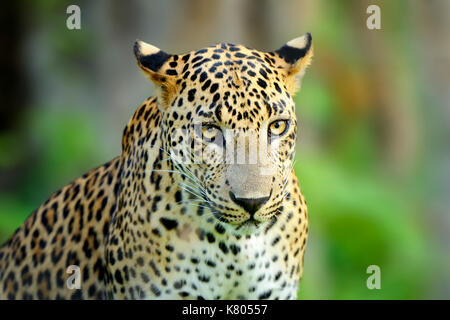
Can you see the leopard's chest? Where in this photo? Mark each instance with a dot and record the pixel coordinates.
(217, 269)
(246, 271)
(174, 255)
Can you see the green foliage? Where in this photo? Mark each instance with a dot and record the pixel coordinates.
(356, 221)
(65, 146)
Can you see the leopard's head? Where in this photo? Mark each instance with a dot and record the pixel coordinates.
(229, 124)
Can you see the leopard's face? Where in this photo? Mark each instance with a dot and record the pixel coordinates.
(234, 141)
(229, 126)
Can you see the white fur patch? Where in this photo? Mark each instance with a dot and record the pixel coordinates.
(146, 48)
(299, 42)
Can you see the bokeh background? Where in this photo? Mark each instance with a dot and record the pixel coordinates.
(373, 156)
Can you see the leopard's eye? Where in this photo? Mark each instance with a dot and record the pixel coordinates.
(211, 133)
(278, 128)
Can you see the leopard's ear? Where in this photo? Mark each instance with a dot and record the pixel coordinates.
(153, 62)
(295, 56)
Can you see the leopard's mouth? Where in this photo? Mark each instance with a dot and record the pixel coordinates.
(248, 227)
(245, 227)
(249, 223)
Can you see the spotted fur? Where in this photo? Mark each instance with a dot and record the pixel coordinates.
(146, 225)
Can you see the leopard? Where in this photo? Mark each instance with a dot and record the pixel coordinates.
(181, 214)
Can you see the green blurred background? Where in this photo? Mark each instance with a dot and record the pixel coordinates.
(373, 155)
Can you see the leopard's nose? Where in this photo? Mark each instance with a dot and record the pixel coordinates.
(251, 205)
